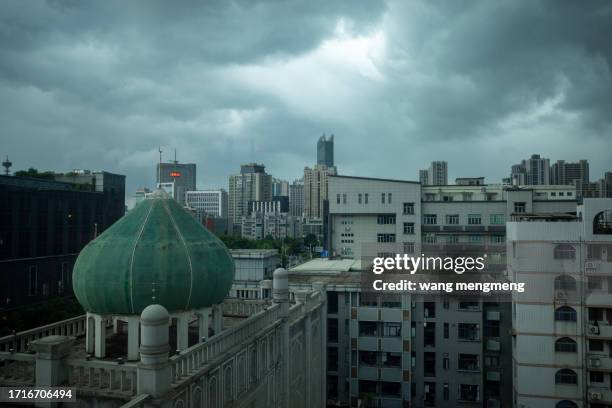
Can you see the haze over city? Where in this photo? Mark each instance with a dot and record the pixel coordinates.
(482, 85)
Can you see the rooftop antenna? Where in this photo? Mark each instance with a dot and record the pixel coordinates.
(7, 165)
(175, 162)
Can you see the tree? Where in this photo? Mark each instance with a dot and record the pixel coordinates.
(32, 172)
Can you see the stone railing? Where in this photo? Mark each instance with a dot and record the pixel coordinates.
(195, 357)
(244, 308)
(106, 376)
(17, 368)
(299, 310)
(20, 342)
(138, 402)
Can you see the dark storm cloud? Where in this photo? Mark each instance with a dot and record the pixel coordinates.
(94, 84)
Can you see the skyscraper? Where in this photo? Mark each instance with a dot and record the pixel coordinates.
(315, 189)
(183, 175)
(252, 184)
(296, 198)
(534, 171)
(435, 175)
(325, 150)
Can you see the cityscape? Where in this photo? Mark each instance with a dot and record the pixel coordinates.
(305, 204)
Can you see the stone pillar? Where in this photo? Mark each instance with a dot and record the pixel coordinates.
(154, 368)
(280, 293)
(90, 329)
(217, 318)
(50, 370)
(100, 336)
(321, 377)
(133, 328)
(301, 297)
(203, 318)
(182, 331)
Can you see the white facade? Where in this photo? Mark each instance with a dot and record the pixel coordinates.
(562, 323)
(212, 202)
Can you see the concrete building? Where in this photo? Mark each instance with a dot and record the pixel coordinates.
(296, 198)
(534, 171)
(325, 151)
(43, 226)
(183, 175)
(437, 174)
(252, 184)
(562, 331)
(212, 202)
(562, 172)
(269, 218)
(254, 269)
(229, 352)
(280, 188)
(316, 189)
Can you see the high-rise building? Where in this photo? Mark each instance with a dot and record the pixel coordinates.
(252, 184)
(568, 173)
(325, 151)
(43, 226)
(296, 198)
(183, 175)
(315, 189)
(280, 188)
(435, 175)
(212, 202)
(534, 171)
(561, 326)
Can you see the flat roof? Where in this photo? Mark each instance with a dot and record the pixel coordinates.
(328, 265)
(253, 253)
(375, 179)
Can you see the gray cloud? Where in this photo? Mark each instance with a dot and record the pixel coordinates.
(480, 84)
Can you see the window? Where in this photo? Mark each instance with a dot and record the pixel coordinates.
(429, 238)
(385, 238)
(389, 198)
(595, 282)
(468, 362)
(474, 219)
(409, 228)
(386, 219)
(446, 392)
(392, 329)
(452, 239)
(369, 329)
(337, 198)
(498, 239)
(365, 198)
(430, 219)
(565, 314)
(564, 251)
(452, 219)
(359, 198)
(390, 359)
(468, 392)
(409, 247)
(445, 361)
(408, 208)
(566, 345)
(566, 404)
(33, 280)
(392, 300)
(520, 207)
(565, 282)
(497, 219)
(343, 198)
(566, 376)
(475, 239)
(596, 376)
(446, 330)
(596, 345)
(382, 198)
(468, 331)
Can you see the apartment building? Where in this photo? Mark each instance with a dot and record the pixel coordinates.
(562, 323)
(460, 349)
(212, 202)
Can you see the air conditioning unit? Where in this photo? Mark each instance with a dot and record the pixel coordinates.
(594, 362)
(589, 265)
(560, 295)
(595, 396)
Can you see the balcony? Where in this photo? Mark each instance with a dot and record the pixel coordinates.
(493, 315)
(368, 343)
(368, 373)
(391, 374)
(391, 344)
(493, 345)
(493, 376)
(368, 314)
(601, 331)
(391, 315)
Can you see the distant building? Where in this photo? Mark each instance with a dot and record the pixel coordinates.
(280, 187)
(296, 198)
(315, 189)
(325, 151)
(43, 226)
(470, 181)
(268, 218)
(435, 175)
(212, 202)
(183, 175)
(534, 171)
(140, 194)
(252, 184)
(562, 173)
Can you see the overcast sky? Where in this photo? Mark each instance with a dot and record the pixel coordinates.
(100, 84)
